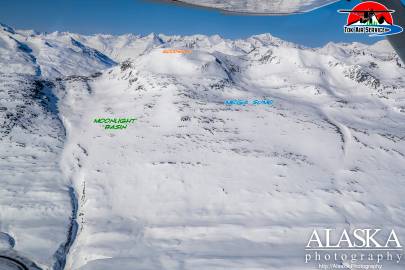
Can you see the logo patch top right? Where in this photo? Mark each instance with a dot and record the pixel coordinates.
(371, 18)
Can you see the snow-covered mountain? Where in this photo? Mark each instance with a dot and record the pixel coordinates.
(194, 183)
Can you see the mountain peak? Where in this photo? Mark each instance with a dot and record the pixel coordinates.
(155, 38)
(7, 28)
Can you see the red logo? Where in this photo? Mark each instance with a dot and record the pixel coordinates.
(364, 13)
(371, 18)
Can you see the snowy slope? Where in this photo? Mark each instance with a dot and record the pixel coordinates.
(35, 199)
(197, 184)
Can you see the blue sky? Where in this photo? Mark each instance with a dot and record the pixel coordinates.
(142, 17)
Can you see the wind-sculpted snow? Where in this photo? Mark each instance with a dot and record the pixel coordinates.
(197, 184)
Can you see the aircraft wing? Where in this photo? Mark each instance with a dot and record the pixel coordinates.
(257, 7)
(397, 41)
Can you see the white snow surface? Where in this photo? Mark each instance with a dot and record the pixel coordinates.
(195, 184)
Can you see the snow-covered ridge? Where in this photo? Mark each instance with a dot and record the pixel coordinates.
(194, 184)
